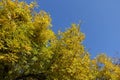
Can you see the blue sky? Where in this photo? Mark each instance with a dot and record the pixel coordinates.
(100, 21)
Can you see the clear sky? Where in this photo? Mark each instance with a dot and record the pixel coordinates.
(100, 21)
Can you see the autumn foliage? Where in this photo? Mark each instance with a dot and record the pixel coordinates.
(30, 50)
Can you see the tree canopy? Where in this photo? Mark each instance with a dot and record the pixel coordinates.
(30, 50)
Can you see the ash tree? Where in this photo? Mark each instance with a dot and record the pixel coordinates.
(30, 50)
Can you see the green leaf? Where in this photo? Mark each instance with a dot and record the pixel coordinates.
(34, 58)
